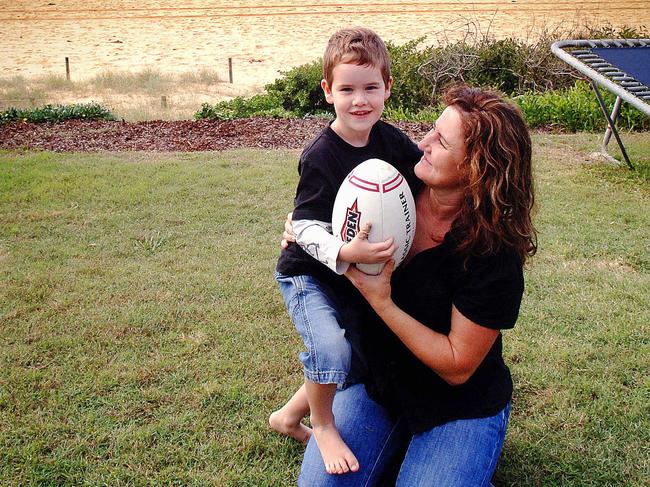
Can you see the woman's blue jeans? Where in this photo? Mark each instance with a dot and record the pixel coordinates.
(458, 453)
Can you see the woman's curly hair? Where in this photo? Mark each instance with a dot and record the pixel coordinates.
(499, 195)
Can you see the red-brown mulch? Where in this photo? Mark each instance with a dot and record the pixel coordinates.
(184, 135)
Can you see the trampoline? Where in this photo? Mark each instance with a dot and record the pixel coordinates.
(621, 66)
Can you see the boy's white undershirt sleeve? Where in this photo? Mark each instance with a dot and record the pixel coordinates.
(315, 237)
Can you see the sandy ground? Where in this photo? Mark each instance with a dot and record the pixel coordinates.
(262, 38)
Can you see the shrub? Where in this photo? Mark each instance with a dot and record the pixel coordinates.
(57, 113)
(266, 104)
(427, 114)
(410, 91)
(575, 109)
(299, 89)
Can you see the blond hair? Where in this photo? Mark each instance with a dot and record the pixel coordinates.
(356, 45)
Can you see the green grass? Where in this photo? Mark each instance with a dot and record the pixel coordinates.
(143, 340)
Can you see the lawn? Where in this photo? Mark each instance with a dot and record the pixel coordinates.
(143, 340)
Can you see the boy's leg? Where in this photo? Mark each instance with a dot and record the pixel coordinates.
(365, 426)
(455, 454)
(337, 457)
(288, 419)
(326, 360)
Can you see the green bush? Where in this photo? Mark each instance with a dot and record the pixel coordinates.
(57, 113)
(263, 105)
(498, 65)
(576, 109)
(410, 91)
(299, 89)
(510, 65)
(427, 114)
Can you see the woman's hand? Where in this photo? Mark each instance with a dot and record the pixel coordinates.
(288, 236)
(376, 289)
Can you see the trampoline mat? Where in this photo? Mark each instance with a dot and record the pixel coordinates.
(635, 61)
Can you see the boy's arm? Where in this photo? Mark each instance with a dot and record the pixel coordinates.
(314, 237)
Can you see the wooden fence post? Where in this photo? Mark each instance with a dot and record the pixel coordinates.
(163, 101)
(230, 69)
(67, 68)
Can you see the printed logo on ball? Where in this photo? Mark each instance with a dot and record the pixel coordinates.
(351, 223)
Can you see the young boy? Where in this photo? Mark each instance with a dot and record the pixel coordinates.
(357, 81)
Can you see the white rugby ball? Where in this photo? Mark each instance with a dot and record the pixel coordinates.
(375, 192)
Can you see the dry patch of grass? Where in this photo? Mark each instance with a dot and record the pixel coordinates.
(133, 96)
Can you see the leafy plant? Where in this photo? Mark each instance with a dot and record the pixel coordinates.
(410, 91)
(57, 113)
(576, 109)
(299, 89)
(267, 104)
(150, 244)
(427, 114)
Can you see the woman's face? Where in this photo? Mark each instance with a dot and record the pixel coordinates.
(441, 166)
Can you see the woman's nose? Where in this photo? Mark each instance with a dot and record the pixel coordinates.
(427, 139)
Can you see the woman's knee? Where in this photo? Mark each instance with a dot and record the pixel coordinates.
(368, 431)
(456, 454)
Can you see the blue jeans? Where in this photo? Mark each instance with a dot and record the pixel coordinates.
(459, 453)
(314, 311)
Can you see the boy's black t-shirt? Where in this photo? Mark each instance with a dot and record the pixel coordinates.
(486, 290)
(323, 166)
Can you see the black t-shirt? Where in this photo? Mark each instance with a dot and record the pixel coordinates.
(486, 290)
(323, 166)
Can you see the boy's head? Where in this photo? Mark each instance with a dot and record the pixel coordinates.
(356, 45)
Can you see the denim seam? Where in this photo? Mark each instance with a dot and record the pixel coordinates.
(493, 460)
(300, 285)
(372, 470)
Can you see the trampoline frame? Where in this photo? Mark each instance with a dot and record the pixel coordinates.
(577, 53)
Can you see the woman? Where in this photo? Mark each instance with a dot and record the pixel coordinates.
(435, 398)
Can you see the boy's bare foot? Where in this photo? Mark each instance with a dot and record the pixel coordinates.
(281, 422)
(338, 458)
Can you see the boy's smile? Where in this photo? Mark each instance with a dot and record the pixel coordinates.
(358, 94)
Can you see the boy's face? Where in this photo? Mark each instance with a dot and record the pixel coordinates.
(358, 94)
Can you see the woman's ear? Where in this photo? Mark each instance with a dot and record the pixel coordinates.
(327, 90)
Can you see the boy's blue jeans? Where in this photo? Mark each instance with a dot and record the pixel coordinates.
(459, 453)
(314, 311)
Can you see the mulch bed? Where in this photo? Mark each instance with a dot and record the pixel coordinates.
(166, 136)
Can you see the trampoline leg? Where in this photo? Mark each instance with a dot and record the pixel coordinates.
(613, 116)
(611, 125)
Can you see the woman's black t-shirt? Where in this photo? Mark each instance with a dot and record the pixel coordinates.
(486, 290)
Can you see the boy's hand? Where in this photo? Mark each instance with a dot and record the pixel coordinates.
(360, 251)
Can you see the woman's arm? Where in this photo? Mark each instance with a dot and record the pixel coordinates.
(453, 357)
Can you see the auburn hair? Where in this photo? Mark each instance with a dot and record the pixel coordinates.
(499, 196)
(356, 45)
